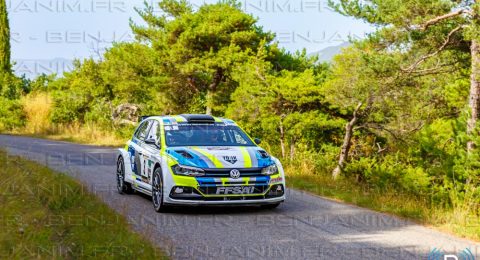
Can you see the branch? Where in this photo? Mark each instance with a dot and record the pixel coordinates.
(382, 128)
(439, 68)
(260, 76)
(357, 109)
(443, 17)
(380, 149)
(441, 48)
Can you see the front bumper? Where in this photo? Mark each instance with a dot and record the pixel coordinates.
(250, 202)
(258, 190)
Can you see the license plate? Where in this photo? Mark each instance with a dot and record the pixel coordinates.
(235, 190)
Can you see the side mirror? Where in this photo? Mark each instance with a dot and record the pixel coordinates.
(151, 141)
(257, 141)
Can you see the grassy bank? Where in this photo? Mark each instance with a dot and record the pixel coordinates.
(37, 108)
(87, 134)
(48, 215)
(459, 220)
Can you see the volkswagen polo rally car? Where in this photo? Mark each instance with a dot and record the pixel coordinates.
(198, 160)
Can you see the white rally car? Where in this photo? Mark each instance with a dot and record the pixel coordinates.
(198, 160)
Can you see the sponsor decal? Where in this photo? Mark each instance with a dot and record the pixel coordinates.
(219, 148)
(230, 159)
(235, 190)
(275, 180)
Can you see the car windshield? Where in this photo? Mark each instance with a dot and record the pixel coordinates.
(186, 134)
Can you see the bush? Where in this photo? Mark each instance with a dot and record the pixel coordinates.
(11, 114)
(11, 87)
(68, 107)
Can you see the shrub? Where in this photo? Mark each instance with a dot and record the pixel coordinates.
(11, 114)
(68, 107)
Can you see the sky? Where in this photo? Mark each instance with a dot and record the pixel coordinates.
(43, 31)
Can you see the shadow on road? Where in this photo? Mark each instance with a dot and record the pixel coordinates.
(208, 210)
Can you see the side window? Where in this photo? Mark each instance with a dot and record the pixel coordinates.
(142, 130)
(155, 132)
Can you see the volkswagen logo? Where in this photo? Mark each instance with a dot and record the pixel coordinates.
(235, 174)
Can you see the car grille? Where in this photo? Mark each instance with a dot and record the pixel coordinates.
(246, 172)
(212, 190)
(210, 181)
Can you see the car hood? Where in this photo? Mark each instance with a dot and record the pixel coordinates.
(221, 156)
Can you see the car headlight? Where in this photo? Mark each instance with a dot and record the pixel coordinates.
(270, 170)
(187, 170)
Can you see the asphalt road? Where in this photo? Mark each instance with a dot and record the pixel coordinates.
(304, 227)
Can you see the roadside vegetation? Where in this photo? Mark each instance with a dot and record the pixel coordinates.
(48, 215)
(390, 123)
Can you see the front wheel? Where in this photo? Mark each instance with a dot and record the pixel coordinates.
(122, 186)
(157, 191)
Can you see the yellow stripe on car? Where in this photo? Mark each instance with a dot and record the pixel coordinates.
(246, 157)
(212, 158)
(180, 119)
(162, 136)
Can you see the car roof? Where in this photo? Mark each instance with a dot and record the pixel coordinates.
(190, 118)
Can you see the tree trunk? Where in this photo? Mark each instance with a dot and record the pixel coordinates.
(209, 102)
(347, 143)
(292, 149)
(474, 98)
(212, 88)
(282, 139)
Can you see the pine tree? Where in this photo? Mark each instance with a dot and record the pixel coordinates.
(4, 39)
(428, 28)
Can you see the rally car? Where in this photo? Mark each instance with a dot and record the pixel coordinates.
(198, 160)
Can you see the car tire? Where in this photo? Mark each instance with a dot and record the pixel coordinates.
(270, 206)
(157, 191)
(123, 187)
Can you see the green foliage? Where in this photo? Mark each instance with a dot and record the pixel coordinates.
(75, 93)
(11, 114)
(200, 50)
(11, 87)
(40, 84)
(5, 66)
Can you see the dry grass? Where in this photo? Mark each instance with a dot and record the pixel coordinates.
(50, 217)
(86, 134)
(37, 108)
(77, 133)
(462, 219)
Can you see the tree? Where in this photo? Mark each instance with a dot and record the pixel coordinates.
(357, 85)
(200, 49)
(377, 99)
(423, 30)
(5, 66)
(284, 107)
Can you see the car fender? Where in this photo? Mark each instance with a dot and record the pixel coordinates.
(168, 181)
(280, 171)
(127, 162)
